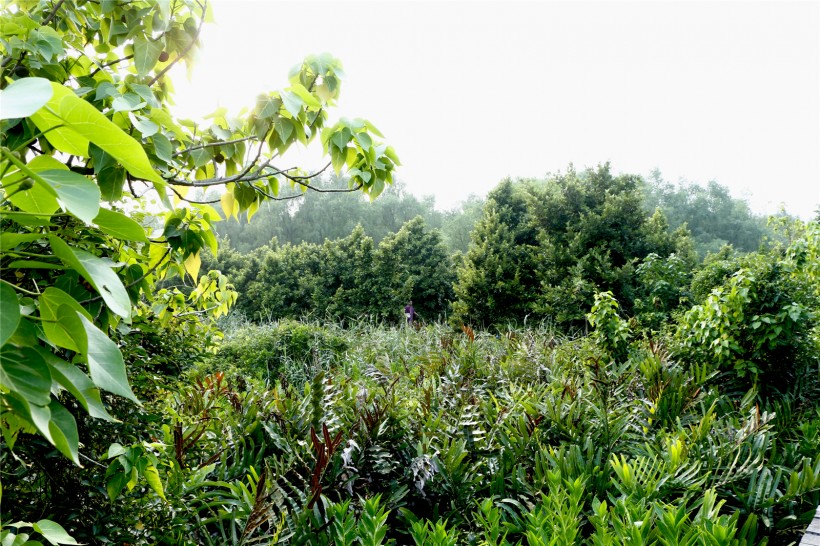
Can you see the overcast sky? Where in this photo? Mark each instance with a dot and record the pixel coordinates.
(471, 92)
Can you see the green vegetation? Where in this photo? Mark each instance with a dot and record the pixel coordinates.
(595, 367)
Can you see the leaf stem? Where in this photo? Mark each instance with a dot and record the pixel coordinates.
(23, 290)
(28, 172)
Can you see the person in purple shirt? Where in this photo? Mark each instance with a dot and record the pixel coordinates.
(409, 312)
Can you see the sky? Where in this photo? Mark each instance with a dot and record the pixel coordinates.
(471, 92)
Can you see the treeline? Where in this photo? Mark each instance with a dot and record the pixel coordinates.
(533, 250)
(351, 277)
(329, 214)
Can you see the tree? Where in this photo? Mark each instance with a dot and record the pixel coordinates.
(89, 141)
(329, 215)
(347, 276)
(712, 215)
(460, 222)
(593, 232)
(490, 289)
(413, 264)
(545, 249)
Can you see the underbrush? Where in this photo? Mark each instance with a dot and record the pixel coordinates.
(286, 351)
(310, 434)
(431, 436)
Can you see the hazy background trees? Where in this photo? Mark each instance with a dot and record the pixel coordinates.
(536, 249)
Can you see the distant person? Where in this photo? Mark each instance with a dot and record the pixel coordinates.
(409, 312)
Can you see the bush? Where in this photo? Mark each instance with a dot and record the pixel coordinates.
(758, 325)
(287, 351)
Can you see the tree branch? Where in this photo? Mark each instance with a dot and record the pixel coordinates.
(112, 63)
(213, 144)
(53, 13)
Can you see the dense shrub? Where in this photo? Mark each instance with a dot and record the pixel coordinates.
(759, 324)
(287, 350)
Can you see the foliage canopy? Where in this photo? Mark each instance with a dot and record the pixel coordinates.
(89, 144)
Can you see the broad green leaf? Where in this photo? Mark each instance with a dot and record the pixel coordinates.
(127, 103)
(70, 326)
(72, 379)
(24, 97)
(293, 103)
(372, 129)
(59, 333)
(163, 148)
(146, 127)
(37, 416)
(164, 119)
(152, 477)
(9, 312)
(146, 54)
(192, 264)
(115, 484)
(23, 371)
(115, 450)
(110, 181)
(9, 241)
(53, 532)
(305, 95)
(229, 205)
(145, 92)
(33, 264)
(391, 153)
(82, 123)
(364, 140)
(120, 226)
(64, 433)
(98, 273)
(105, 362)
(37, 199)
(79, 195)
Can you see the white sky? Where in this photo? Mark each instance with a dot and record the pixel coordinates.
(471, 92)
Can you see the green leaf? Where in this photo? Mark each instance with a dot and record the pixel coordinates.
(115, 484)
(146, 127)
(37, 199)
(37, 416)
(60, 333)
(364, 140)
(78, 195)
(163, 148)
(24, 97)
(98, 273)
(34, 264)
(63, 430)
(115, 450)
(152, 477)
(53, 532)
(372, 129)
(105, 362)
(82, 123)
(23, 371)
(127, 103)
(9, 241)
(146, 54)
(293, 103)
(305, 95)
(120, 226)
(111, 181)
(72, 379)
(9, 312)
